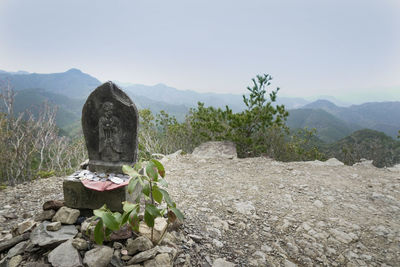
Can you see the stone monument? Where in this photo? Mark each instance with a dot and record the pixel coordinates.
(110, 128)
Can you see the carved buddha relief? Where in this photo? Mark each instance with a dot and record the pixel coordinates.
(109, 134)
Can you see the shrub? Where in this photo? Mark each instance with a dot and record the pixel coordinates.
(151, 187)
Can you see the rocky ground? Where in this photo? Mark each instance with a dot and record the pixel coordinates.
(260, 212)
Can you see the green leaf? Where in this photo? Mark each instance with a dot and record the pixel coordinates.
(118, 217)
(148, 219)
(141, 181)
(151, 171)
(178, 213)
(146, 189)
(163, 182)
(134, 221)
(108, 232)
(99, 212)
(99, 233)
(130, 171)
(157, 195)
(159, 167)
(167, 198)
(125, 218)
(132, 185)
(162, 212)
(150, 208)
(109, 221)
(128, 206)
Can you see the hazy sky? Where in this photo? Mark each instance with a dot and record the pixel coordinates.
(310, 47)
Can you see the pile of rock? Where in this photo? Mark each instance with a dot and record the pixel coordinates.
(59, 236)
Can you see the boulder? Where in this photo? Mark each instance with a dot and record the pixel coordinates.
(213, 149)
(98, 257)
(65, 255)
(66, 215)
(40, 236)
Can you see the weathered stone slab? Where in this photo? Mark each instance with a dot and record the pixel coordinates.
(40, 236)
(65, 255)
(110, 127)
(77, 196)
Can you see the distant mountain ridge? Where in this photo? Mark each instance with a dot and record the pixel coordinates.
(329, 127)
(69, 90)
(72, 83)
(379, 116)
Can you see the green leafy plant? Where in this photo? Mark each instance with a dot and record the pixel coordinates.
(150, 187)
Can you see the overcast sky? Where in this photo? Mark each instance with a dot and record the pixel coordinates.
(310, 47)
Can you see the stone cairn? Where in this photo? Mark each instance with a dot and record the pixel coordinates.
(62, 234)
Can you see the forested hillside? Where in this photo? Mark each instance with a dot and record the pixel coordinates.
(379, 116)
(329, 128)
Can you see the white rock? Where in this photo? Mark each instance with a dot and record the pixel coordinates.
(26, 226)
(266, 248)
(289, 264)
(341, 236)
(15, 261)
(318, 204)
(333, 162)
(217, 243)
(222, 263)
(246, 208)
(66, 215)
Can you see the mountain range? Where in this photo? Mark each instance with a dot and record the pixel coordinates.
(68, 90)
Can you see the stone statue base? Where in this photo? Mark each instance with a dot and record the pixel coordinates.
(77, 196)
(100, 166)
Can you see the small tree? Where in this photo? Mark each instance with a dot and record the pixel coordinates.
(249, 127)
